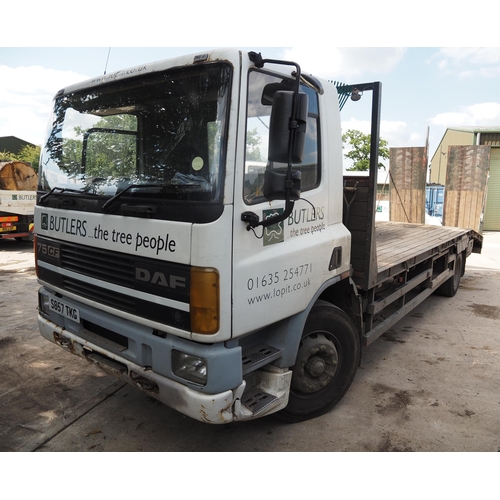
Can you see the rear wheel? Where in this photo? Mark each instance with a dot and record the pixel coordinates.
(450, 287)
(326, 363)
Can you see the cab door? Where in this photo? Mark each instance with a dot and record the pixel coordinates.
(277, 269)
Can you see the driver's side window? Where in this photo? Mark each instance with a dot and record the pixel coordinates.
(257, 140)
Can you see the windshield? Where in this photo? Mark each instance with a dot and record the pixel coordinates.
(158, 136)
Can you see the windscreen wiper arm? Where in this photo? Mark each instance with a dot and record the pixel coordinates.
(117, 196)
(60, 190)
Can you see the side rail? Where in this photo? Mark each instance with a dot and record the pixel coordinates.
(389, 302)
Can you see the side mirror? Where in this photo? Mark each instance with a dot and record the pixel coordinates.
(271, 88)
(279, 127)
(275, 185)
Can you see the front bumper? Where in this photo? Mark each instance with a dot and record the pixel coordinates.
(220, 408)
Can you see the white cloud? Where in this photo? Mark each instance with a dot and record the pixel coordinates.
(346, 63)
(493, 72)
(355, 124)
(474, 55)
(399, 134)
(396, 133)
(469, 62)
(26, 95)
(486, 113)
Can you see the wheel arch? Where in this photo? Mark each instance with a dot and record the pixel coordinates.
(326, 363)
(344, 295)
(338, 292)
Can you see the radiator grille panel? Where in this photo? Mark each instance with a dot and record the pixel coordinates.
(100, 264)
(112, 267)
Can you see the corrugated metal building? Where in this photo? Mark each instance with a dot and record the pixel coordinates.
(13, 144)
(472, 136)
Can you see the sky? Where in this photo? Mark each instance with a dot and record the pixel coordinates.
(425, 89)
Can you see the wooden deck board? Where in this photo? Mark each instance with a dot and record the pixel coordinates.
(400, 242)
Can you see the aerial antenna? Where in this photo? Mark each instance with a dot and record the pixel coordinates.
(107, 59)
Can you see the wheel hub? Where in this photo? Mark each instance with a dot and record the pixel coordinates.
(316, 364)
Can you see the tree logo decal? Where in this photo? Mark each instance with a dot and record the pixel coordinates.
(274, 233)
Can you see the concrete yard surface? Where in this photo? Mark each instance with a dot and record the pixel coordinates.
(429, 384)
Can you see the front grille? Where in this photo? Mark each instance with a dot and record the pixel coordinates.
(119, 269)
(101, 295)
(101, 264)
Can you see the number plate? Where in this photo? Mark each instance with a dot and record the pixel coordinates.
(64, 309)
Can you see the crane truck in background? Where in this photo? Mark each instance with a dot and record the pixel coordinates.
(226, 288)
(18, 184)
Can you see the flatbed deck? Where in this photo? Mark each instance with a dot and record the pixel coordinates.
(401, 248)
(400, 243)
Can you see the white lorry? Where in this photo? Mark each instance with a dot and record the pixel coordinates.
(228, 291)
(18, 182)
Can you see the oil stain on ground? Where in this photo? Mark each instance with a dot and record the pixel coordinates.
(392, 400)
(485, 311)
(386, 444)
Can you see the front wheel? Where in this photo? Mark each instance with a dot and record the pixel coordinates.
(326, 363)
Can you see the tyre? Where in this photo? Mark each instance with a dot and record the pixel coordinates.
(450, 287)
(327, 360)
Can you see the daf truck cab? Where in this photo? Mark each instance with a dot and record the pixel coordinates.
(190, 236)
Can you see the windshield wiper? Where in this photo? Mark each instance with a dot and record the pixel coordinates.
(60, 191)
(117, 196)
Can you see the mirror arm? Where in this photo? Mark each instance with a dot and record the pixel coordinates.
(251, 218)
(259, 62)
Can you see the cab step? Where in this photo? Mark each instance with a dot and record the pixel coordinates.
(256, 357)
(257, 401)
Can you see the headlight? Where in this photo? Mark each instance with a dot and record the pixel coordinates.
(189, 367)
(43, 303)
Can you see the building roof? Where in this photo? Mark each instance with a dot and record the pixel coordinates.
(13, 144)
(475, 129)
(471, 130)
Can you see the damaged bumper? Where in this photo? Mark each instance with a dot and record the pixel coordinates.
(209, 408)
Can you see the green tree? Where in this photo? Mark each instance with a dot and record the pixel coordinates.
(360, 152)
(253, 145)
(108, 152)
(28, 154)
